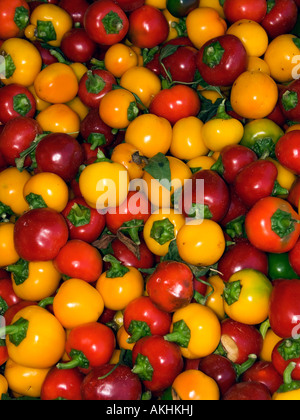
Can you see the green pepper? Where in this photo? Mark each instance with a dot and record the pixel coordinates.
(280, 267)
(261, 136)
(181, 8)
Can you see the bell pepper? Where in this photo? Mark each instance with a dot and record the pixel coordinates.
(261, 136)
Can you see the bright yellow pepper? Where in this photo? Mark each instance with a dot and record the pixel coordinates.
(49, 23)
(12, 183)
(187, 142)
(119, 58)
(214, 296)
(34, 281)
(50, 187)
(161, 228)
(200, 163)
(35, 338)
(197, 330)
(247, 297)
(8, 253)
(270, 341)
(172, 21)
(79, 107)
(150, 134)
(143, 82)
(23, 61)
(3, 384)
(201, 244)
(285, 177)
(119, 285)
(25, 381)
(77, 303)
(222, 131)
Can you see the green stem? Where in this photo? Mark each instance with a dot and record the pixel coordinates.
(95, 83)
(181, 334)
(221, 113)
(46, 302)
(240, 369)
(287, 375)
(78, 359)
(112, 23)
(117, 268)
(60, 58)
(17, 332)
(163, 231)
(143, 368)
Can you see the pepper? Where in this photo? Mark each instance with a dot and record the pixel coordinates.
(181, 8)
(196, 329)
(49, 23)
(25, 381)
(262, 135)
(35, 338)
(222, 131)
(280, 267)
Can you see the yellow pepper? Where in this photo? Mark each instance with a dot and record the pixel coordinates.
(23, 61)
(214, 296)
(270, 341)
(60, 118)
(35, 338)
(8, 253)
(56, 84)
(119, 285)
(187, 142)
(222, 131)
(34, 281)
(3, 385)
(76, 303)
(285, 177)
(12, 183)
(161, 195)
(25, 381)
(49, 23)
(161, 228)
(247, 297)
(197, 330)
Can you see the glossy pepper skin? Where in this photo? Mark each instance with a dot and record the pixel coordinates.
(280, 267)
(35, 338)
(181, 8)
(261, 136)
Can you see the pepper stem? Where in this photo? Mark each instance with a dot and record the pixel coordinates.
(117, 268)
(221, 113)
